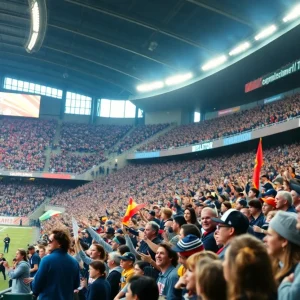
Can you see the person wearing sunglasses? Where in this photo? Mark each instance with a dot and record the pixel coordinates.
(58, 274)
(233, 223)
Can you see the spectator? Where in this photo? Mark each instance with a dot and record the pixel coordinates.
(226, 205)
(191, 218)
(257, 217)
(115, 271)
(42, 251)
(284, 202)
(166, 259)
(232, 224)
(241, 204)
(269, 204)
(266, 184)
(210, 282)
(6, 243)
(34, 261)
(142, 288)
(253, 194)
(295, 197)
(178, 221)
(58, 274)
(100, 285)
(127, 262)
(248, 270)
(289, 288)
(2, 268)
(209, 228)
(19, 272)
(283, 244)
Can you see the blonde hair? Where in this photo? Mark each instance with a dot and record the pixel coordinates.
(196, 257)
(210, 279)
(250, 269)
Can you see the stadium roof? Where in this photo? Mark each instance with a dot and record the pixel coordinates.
(111, 46)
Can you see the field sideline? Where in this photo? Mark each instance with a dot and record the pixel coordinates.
(20, 238)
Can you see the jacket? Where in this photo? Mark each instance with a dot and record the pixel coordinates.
(17, 275)
(57, 277)
(114, 278)
(99, 289)
(288, 290)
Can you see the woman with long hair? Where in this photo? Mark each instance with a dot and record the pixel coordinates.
(100, 288)
(19, 273)
(248, 270)
(189, 276)
(210, 282)
(283, 244)
(190, 217)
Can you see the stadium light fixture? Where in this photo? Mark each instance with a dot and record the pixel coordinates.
(295, 13)
(214, 63)
(240, 48)
(38, 13)
(178, 79)
(148, 87)
(266, 32)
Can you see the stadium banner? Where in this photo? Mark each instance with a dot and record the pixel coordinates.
(228, 111)
(238, 138)
(13, 221)
(271, 77)
(201, 147)
(20, 105)
(140, 155)
(243, 137)
(274, 98)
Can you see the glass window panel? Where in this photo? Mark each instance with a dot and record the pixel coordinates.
(54, 92)
(105, 108)
(8, 81)
(129, 109)
(20, 85)
(140, 113)
(14, 88)
(38, 88)
(196, 117)
(59, 94)
(117, 108)
(31, 87)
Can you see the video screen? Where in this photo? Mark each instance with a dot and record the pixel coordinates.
(20, 105)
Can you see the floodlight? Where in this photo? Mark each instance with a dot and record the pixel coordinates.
(266, 32)
(239, 49)
(148, 87)
(38, 13)
(178, 79)
(295, 13)
(214, 63)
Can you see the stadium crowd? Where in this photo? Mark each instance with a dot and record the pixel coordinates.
(67, 162)
(138, 135)
(203, 232)
(23, 142)
(228, 125)
(90, 138)
(20, 199)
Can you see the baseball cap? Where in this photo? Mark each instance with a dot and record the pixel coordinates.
(270, 192)
(284, 223)
(270, 201)
(189, 245)
(235, 219)
(127, 256)
(119, 231)
(119, 240)
(110, 230)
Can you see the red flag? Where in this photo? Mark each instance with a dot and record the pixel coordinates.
(132, 209)
(258, 164)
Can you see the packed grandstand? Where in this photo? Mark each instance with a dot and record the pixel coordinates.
(188, 189)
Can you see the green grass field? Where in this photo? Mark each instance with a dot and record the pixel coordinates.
(20, 238)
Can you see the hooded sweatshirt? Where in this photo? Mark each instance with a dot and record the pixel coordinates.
(114, 278)
(17, 275)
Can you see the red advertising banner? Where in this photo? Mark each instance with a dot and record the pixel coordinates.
(253, 85)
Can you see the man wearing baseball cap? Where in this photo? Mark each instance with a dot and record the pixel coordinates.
(232, 224)
(269, 204)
